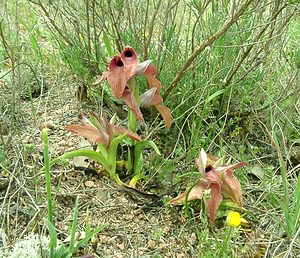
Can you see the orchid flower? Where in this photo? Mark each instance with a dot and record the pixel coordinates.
(108, 136)
(121, 70)
(218, 178)
(100, 130)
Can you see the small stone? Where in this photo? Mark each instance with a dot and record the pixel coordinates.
(89, 184)
(121, 246)
(3, 183)
(152, 220)
(151, 244)
(193, 239)
(48, 125)
(180, 255)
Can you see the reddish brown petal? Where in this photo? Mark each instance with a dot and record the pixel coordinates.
(117, 76)
(121, 130)
(131, 103)
(213, 176)
(153, 82)
(230, 168)
(213, 204)
(89, 132)
(232, 188)
(195, 193)
(109, 129)
(151, 70)
(165, 113)
(157, 100)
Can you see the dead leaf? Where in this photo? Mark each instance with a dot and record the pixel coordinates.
(258, 172)
(82, 161)
(195, 193)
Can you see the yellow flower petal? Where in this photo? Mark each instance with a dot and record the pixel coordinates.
(233, 219)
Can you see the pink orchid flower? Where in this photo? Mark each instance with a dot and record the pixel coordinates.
(100, 130)
(124, 67)
(218, 178)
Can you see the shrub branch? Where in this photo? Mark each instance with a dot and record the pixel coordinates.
(228, 23)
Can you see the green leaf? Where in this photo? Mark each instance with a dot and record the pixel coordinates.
(61, 252)
(52, 234)
(138, 147)
(129, 161)
(88, 153)
(141, 144)
(112, 152)
(107, 44)
(216, 94)
(296, 204)
(74, 227)
(134, 180)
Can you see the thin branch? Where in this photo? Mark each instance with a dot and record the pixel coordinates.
(247, 52)
(62, 34)
(229, 22)
(151, 27)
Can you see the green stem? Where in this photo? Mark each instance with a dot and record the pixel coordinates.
(47, 173)
(225, 243)
(136, 93)
(48, 180)
(132, 122)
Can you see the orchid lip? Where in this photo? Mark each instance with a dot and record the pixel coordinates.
(120, 63)
(208, 168)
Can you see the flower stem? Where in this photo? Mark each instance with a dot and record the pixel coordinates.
(132, 121)
(135, 91)
(225, 243)
(48, 180)
(47, 173)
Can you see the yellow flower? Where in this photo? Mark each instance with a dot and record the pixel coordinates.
(233, 219)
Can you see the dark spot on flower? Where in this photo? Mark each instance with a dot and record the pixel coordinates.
(120, 63)
(128, 53)
(208, 168)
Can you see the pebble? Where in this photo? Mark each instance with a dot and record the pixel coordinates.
(151, 244)
(48, 125)
(193, 239)
(121, 246)
(89, 184)
(180, 255)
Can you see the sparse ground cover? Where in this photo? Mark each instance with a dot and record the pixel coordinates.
(230, 75)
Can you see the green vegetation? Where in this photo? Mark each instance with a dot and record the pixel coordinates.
(229, 72)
